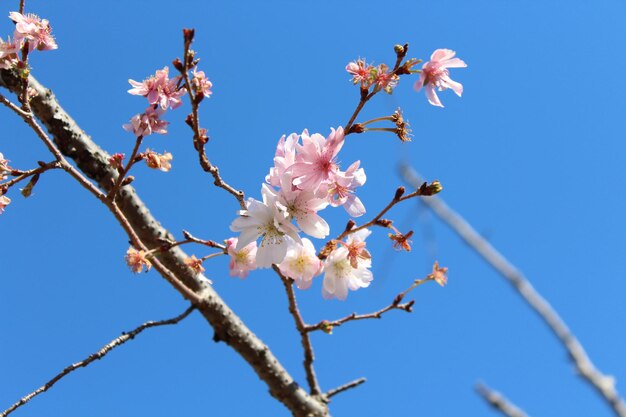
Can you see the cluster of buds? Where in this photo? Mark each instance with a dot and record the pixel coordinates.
(31, 32)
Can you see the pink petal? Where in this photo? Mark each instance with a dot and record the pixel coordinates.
(454, 63)
(453, 85)
(419, 83)
(432, 96)
(442, 54)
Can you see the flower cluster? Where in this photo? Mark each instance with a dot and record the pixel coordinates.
(137, 260)
(434, 75)
(367, 75)
(30, 32)
(305, 179)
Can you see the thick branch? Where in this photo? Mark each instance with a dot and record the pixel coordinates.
(499, 402)
(125, 337)
(93, 162)
(603, 384)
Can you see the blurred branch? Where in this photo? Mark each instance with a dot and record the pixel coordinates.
(125, 337)
(603, 384)
(499, 402)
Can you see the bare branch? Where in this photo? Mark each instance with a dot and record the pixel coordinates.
(344, 387)
(396, 304)
(499, 402)
(603, 384)
(309, 357)
(125, 337)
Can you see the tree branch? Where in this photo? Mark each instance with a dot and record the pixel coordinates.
(332, 392)
(125, 337)
(499, 402)
(309, 357)
(603, 384)
(74, 143)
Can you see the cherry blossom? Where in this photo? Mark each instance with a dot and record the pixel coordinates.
(4, 167)
(303, 206)
(284, 158)
(341, 190)
(439, 274)
(201, 83)
(34, 30)
(435, 75)
(242, 261)
(301, 263)
(385, 80)
(341, 274)
(158, 161)
(316, 159)
(137, 260)
(147, 123)
(159, 89)
(4, 201)
(8, 53)
(361, 72)
(270, 221)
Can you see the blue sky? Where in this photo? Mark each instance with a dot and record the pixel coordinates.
(531, 155)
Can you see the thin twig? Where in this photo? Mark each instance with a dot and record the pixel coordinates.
(199, 144)
(396, 304)
(423, 190)
(366, 95)
(125, 337)
(499, 402)
(131, 161)
(309, 357)
(332, 392)
(603, 384)
(31, 172)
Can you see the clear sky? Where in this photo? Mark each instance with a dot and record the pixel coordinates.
(532, 155)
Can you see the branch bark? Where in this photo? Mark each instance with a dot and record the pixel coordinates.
(603, 384)
(75, 144)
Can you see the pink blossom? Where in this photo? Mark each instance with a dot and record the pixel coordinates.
(8, 48)
(341, 274)
(384, 79)
(201, 83)
(34, 30)
(4, 167)
(439, 274)
(361, 72)
(159, 89)
(147, 123)
(435, 75)
(4, 201)
(303, 205)
(284, 158)
(301, 263)
(341, 190)
(316, 159)
(242, 261)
